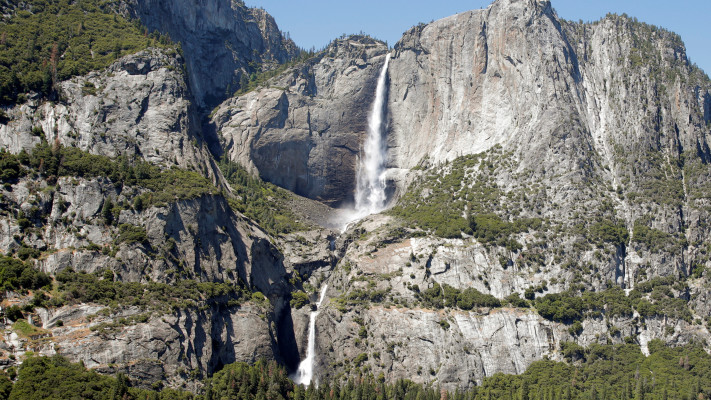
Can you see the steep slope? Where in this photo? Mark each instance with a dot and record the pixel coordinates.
(568, 159)
(551, 178)
(108, 187)
(139, 107)
(303, 130)
(612, 124)
(224, 41)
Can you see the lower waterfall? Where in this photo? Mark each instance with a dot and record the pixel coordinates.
(305, 372)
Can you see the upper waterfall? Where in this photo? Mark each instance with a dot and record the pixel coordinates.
(370, 182)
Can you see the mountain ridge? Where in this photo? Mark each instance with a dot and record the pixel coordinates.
(546, 178)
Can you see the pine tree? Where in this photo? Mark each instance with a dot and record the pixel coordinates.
(107, 211)
(524, 390)
(121, 387)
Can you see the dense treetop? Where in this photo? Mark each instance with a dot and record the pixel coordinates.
(43, 42)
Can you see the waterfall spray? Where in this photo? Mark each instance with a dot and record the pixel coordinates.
(370, 182)
(305, 372)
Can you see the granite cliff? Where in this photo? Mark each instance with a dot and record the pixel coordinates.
(223, 40)
(547, 180)
(584, 143)
(303, 131)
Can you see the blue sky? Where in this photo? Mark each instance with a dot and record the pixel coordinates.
(314, 23)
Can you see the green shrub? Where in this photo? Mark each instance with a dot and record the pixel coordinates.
(576, 328)
(515, 300)
(24, 329)
(9, 166)
(14, 313)
(362, 332)
(299, 299)
(570, 306)
(655, 240)
(609, 231)
(80, 287)
(260, 201)
(164, 186)
(129, 234)
(16, 275)
(440, 296)
(561, 307)
(24, 252)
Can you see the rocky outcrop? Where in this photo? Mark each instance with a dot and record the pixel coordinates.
(458, 349)
(398, 336)
(201, 239)
(138, 107)
(171, 349)
(303, 131)
(223, 41)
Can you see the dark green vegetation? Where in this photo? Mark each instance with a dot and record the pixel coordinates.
(610, 372)
(597, 372)
(446, 296)
(260, 201)
(19, 275)
(490, 228)
(438, 201)
(57, 378)
(79, 287)
(299, 299)
(656, 297)
(260, 76)
(163, 185)
(100, 288)
(159, 186)
(44, 42)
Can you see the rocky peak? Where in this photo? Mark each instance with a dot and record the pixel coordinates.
(222, 40)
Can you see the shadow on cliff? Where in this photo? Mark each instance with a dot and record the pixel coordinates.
(286, 342)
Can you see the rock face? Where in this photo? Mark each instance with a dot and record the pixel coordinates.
(162, 349)
(397, 336)
(141, 107)
(200, 239)
(223, 41)
(576, 106)
(590, 122)
(138, 107)
(465, 83)
(303, 132)
(597, 132)
(415, 344)
(514, 74)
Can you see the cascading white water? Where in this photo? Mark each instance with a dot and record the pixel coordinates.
(370, 182)
(305, 372)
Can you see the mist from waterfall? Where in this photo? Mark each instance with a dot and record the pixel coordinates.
(305, 372)
(370, 180)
